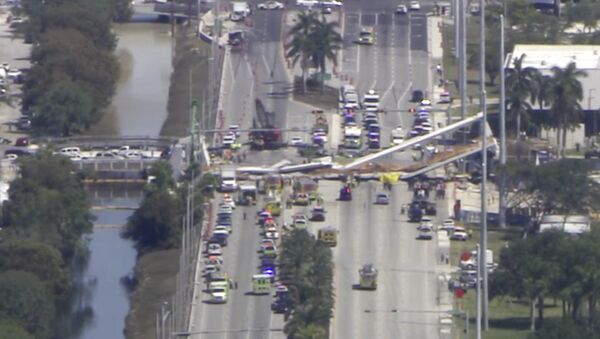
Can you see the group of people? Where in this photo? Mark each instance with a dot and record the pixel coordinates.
(421, 189)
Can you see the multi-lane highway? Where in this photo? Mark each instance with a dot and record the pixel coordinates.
(405, 302)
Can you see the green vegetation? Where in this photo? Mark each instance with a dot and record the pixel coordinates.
(550, 269)
(307, 270)
(156, 224)
(26, 300)
(313, 42)
(559, 187)
(74, 71)
(42, 226)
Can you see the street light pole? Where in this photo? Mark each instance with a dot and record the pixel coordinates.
(483, 233)
(502, 190)
(590, 110)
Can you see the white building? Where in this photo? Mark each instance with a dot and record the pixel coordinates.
(585, 57)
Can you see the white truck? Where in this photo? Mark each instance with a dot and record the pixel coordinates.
(371, 101)
(240, 10)
(228, 179)
(352, 136)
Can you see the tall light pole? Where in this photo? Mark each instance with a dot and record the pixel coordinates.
(483, 233)
(502, 190)
(594, 124)
(462, 58)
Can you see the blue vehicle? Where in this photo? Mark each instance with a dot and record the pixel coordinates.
(268, 267)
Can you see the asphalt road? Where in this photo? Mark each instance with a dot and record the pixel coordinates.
(403, 304)
(394, 66)
(257, 72)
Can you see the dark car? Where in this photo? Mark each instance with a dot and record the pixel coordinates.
(417, 96)
(23, 141)
(346, 193)
(318, 214)
(281, 305)
(595, 153)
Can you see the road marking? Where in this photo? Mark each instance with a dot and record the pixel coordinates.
(403, 94)
(375, 68)
(267, 68)
(387, 91)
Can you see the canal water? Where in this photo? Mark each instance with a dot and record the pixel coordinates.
(101, 302)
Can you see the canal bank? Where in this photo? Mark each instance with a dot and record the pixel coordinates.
(139, 108)
(156, 271)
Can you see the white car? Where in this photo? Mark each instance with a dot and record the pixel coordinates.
(235, 130)
(295, 141)
(320, 137)
(13, 74)
(272, 235)
(214, 249)
(426, 225)
(270, 5)
(415, 6)
(447, 225)
(226, 228)
(228, 140)
(225, 209)
(401, 9)
(461, 236)
(228, 200)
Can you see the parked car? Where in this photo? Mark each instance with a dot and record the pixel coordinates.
(461, 236)
(595, 153)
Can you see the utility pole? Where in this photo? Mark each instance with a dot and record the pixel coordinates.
(483, 234)
(502, 190)
(478, 293)
(462, 58)
(193, 109)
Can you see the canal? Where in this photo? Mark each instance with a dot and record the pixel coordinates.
(101, 301)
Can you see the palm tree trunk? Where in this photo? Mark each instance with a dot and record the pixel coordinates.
(558, 143)
(303, 80)
(323, 75)
(518, 126)
(532, 314)
(564, 140)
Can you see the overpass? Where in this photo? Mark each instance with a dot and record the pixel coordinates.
(165, 10)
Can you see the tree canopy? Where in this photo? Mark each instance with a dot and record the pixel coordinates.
(48, 203)
(75, 71)
(307, 269)
(26, 300)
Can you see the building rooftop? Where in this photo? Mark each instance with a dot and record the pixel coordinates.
(542, 57)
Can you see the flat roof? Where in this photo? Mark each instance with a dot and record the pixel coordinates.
(547, 56)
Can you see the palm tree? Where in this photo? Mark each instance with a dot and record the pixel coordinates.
(542, 97)
(520, 85)
(566, 93)
(301, 47)
(328, 42)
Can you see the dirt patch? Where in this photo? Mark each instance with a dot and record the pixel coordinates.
(188, 82)
(155, 272)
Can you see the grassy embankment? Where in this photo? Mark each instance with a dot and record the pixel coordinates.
(156, 271)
